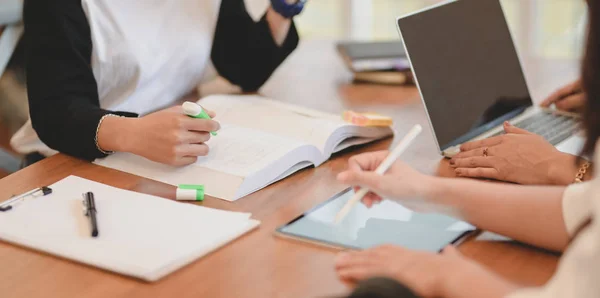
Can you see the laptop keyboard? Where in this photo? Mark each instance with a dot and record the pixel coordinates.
(554, 128)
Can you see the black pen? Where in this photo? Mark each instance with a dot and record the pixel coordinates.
(90, 212)
(7, 206)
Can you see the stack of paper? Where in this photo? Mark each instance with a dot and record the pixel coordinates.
(139, 235)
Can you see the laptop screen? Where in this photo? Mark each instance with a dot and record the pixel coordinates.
(467, 68)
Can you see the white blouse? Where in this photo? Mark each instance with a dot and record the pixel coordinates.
(127, 61)
(578, 273)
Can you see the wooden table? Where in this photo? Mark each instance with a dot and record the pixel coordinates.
(258, 264)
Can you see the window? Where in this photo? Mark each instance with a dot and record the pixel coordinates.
(548, 28)
(559, 27)
(356, 19)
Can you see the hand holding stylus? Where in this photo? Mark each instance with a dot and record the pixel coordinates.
(381, 169)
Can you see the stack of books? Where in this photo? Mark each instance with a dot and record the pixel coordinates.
(377, 62)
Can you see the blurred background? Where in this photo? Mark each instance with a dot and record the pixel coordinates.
(553, 24)
(547, 33)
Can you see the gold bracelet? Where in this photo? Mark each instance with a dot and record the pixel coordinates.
(582, 171)
(98, 130)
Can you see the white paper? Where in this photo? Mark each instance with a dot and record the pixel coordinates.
(139, 235)
(301, 124)
(242, 151)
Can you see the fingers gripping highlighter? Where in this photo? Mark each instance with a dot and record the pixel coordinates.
(194, 110)
(187, 192)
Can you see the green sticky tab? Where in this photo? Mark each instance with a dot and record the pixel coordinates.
(198, 188)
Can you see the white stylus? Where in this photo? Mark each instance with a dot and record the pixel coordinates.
(383, 167)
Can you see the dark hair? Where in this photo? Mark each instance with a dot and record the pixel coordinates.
(381, 288)
(591, 79)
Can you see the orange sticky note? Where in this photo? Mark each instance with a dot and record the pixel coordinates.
(367, 119)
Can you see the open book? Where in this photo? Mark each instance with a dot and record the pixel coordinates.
(261, 141)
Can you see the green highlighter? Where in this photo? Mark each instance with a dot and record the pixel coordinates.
(194, 110)
(190, 192)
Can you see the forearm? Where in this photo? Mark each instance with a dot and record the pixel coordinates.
(279, 26)
(531, 214)
(62, 91)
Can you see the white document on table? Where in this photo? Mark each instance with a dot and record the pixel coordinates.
(140, 235)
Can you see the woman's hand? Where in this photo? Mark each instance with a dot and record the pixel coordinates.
(518, 156)
(427, 274)
(167, 136)
(400, 181)
(568, 98)
(171, 137)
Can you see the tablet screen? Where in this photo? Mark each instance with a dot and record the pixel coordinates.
(385, 223)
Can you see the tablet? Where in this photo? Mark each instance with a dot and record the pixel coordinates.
(384, 223)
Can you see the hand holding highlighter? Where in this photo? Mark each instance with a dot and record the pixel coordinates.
(194, 110)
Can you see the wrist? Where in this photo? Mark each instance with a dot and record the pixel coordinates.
(445, 197)
(116, 134)
(288, 8)
(279, 26)
(562, 169)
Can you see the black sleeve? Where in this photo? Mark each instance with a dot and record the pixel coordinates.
(244, 52)
(62, 90)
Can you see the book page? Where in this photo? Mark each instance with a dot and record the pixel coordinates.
(301, 124)
(242, 151)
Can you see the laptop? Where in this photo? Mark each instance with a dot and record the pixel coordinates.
(470, 77)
